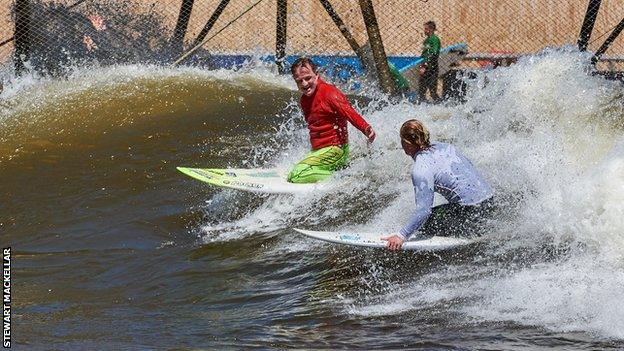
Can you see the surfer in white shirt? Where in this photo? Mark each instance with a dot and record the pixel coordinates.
(440, 167)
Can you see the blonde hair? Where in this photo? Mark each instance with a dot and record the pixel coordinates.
(414, 133)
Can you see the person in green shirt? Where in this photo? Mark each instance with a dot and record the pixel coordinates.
(429, 68)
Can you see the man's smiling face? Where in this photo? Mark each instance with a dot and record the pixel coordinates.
(306, 80)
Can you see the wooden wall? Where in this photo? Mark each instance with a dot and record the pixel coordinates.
(486, 25)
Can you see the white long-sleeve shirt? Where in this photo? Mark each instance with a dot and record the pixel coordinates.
(443, 169)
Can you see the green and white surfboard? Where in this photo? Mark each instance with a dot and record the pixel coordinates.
(268, 181)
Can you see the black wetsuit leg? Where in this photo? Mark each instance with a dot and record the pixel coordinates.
(429, 81)
(458, 220)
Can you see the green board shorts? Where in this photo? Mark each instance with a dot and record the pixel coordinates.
(319, 164)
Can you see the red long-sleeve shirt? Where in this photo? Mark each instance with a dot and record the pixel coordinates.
(327, 112)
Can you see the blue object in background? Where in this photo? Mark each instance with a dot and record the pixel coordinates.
(336, 68)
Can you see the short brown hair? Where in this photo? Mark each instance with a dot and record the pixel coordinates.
(431, 24)
(414, 133)
(303, 61)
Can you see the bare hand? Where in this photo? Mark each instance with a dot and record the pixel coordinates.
(395, 242)
(421, 70)
(370, 135)
(89, 43)
(97, 21)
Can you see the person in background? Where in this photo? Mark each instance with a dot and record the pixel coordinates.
(98, 25)
(440, 167)
(428, 70)
(326, 111)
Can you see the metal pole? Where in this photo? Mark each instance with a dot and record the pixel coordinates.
(215, 16)
(184, 16)
(345, 31)
(588, 24)
(22, 34)
(616, 32)
(379, 53)
(203, 42)
(280, 35)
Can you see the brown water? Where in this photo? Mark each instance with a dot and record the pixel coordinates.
(115, 249)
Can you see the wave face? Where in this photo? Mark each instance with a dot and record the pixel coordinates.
(93, 202)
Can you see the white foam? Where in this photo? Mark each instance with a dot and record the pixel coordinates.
(579, 294)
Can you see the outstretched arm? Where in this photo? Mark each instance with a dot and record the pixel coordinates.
(423, 182)
(344, 108)
(424, 200)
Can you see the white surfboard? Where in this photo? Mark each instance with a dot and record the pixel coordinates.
(267, 181)
(434, 243)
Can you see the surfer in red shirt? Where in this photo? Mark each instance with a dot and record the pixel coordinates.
(326, 110)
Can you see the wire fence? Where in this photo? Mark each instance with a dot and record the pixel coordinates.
(51, 35)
